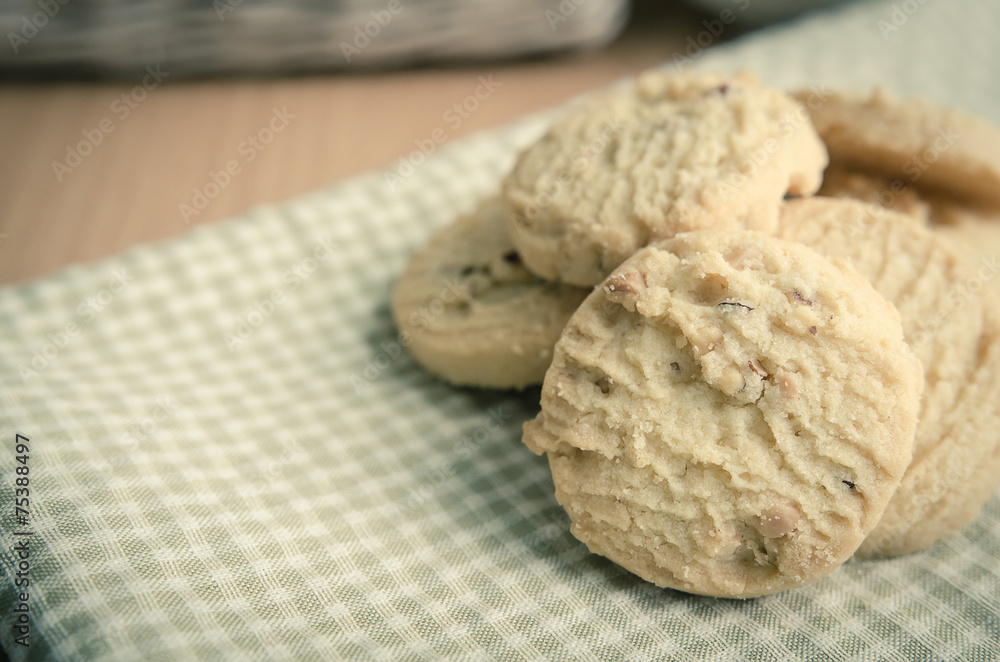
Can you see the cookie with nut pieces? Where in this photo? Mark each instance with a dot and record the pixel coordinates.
(471, 313)
(950, 319)
(728, 414)
(668, 154)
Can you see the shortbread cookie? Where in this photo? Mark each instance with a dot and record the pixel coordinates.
(728, 414)
(948, 318)
(914, 142)
(671, 153)
(471, 313)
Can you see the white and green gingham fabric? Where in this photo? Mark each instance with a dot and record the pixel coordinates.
(232, 457)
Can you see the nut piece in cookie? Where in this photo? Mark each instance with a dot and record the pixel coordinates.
(669, 154)
(734, 427)
(948, 310)
(469, 311)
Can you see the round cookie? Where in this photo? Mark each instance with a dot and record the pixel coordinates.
(471, 313)
(669, 154)
(914, 142)
(949, 318)
(728, 414)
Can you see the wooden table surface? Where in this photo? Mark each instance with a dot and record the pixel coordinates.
(87, 172)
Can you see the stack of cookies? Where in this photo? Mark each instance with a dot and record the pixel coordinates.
(766, 325)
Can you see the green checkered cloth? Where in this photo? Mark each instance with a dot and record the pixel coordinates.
(232, 457)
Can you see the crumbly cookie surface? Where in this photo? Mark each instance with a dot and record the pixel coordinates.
(728, 414)
(949, 318)
(471, 313)
(914, 142)
(672, 153)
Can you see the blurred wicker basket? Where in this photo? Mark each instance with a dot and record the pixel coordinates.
(122, 37)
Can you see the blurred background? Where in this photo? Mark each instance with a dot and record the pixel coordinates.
(131, 121)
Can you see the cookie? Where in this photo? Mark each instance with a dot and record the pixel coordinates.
(973, 231)
(469, 311)
(671, 153)
(877, 189)
(914, 142)
(976, 239)
(949, 318)
(728, 414)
